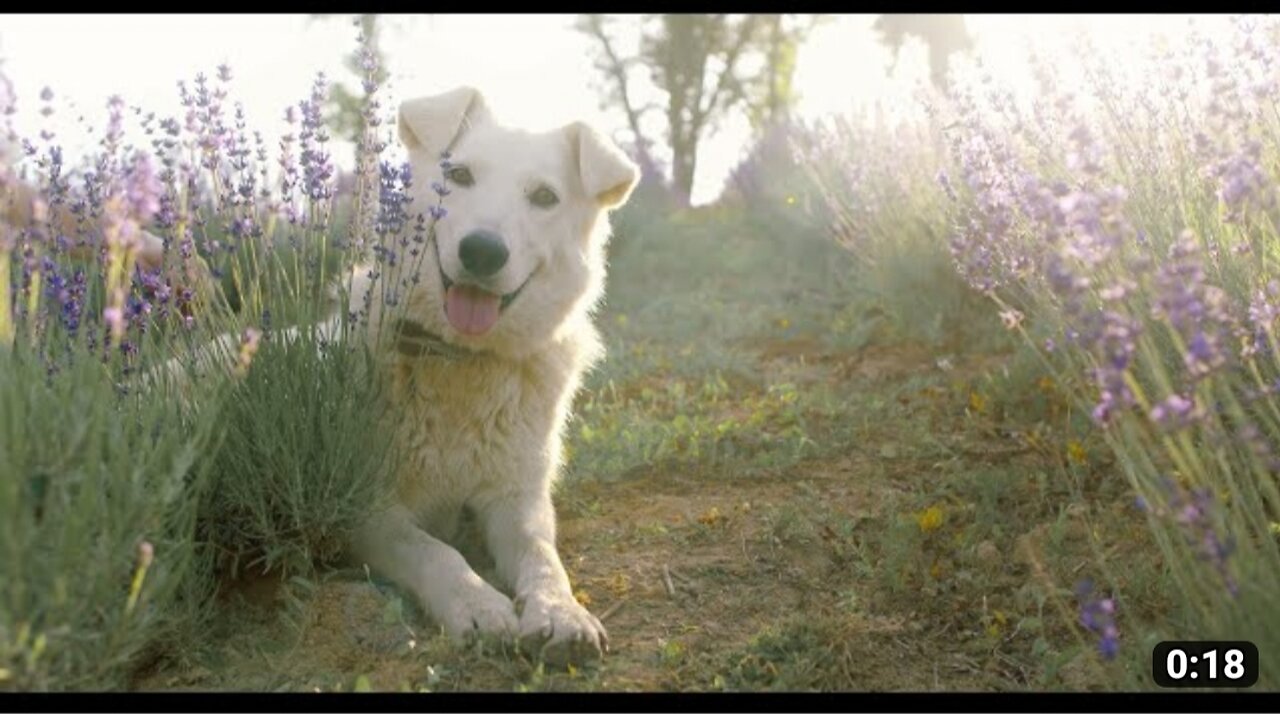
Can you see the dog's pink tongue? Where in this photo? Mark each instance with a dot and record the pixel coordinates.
(470, 310)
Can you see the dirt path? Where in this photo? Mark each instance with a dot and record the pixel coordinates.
(699, 581)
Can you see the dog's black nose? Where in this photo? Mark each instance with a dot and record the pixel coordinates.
(483, 253)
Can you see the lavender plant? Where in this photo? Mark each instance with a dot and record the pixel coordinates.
(262, 451)
(307, 451)
(1134, 225)
(871, 182)
(1124, 222)
(100, 482)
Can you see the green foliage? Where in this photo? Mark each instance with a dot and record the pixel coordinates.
(89, 472)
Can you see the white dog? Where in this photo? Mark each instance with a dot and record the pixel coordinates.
(492, 346)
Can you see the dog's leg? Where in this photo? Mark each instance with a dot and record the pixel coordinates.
(449, 590)
(521, 531)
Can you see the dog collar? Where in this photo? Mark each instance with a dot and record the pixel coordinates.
(411, 339)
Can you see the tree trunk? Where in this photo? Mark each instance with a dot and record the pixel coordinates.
(775, 42)
(684, 78)
(684, 164)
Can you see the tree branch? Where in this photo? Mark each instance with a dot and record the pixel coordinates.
(616, 69)
(745, 31)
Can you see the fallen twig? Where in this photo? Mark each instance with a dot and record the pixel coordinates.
(680, 576)
(609, 612)
(666, 581)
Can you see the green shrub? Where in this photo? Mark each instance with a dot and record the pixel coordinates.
(306, 454)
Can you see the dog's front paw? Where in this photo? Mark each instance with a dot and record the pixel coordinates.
(559, 630)
(480, 612)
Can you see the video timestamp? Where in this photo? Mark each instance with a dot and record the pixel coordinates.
(1205, 664)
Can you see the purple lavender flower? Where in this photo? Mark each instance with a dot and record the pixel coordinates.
(115, 124)
(944, 180)
(317, 166)
(1174, 412)
(1204, 355)
(1264, 311)
(114, 318)
(1243, 182)
(1097, 615)
(142, 189)
(1193, 513)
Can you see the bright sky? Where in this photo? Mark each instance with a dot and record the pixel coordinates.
(534, 70)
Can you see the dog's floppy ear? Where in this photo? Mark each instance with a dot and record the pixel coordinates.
(607, 174)
(434, 123)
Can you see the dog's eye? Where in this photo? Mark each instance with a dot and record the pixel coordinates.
(544, 197)
(461, 175)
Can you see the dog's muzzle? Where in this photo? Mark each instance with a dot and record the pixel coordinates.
(469, 307)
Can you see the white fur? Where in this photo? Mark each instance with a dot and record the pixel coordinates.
(484, 431)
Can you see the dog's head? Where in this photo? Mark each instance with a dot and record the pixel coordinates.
(519, 252)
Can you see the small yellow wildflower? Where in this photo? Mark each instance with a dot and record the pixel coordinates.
(672, 653)
(977, 402)
(619, 584)
(583, 597)
(1076, 452)
(711, 517)
(929, 519)
(997, 625)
